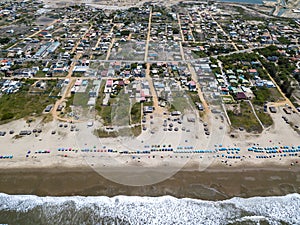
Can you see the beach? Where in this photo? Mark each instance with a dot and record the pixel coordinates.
(150, 158)
(211, 184)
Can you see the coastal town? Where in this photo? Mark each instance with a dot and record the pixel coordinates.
(148, 86)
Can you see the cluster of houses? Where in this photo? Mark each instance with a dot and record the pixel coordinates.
(90, 88)
(136, 89)
(92, 33)
(239, 81)
(13, 10)
(10, 86)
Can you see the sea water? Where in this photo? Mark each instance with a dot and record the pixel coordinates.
(29, 209)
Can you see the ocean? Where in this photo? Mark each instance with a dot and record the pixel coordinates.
(31, 209)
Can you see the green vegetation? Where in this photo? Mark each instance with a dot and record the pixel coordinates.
(264, 94)
(135, 113)
(233, 58)
(125, 32)
(103, 111)
(22, 104)
(132, 131)
(194, 97)
(200, 54)
(124, 132)
(101, 133)
(269, 51)
(213, 60)
(244, 117)
(280, 71)
(149, 103)
(81, 99)
(120, 109)
(69, 102)
(116, 112)
(4, 40)
(265, 118)
(284, 40)
(180, 102)
(106, 115)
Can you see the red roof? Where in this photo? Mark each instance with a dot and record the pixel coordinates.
(109, 82)
(252, 71)
(193, 83)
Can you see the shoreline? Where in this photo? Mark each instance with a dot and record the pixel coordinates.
(188, 168)
(210, 184)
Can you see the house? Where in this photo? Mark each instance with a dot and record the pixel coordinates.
(272, 58)
(192, 85)
(241, 96)
(255, 63)
(224, 90)
(253, 72)
(269, 84)
(78, 82)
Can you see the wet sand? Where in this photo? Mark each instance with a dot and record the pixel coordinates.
(208, 185)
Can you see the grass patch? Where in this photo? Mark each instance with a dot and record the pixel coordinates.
(124, 132)
(22, 104)
(136, 130)
(180, 102)
(105, 134)
(264, 94)
(69, 102)
(81, 99)
(105, 114)
(132, 131)
(102, 110)
(194, 96)
(150, 103)
(121, 109)
(135, 113)
(244, 117)
(265, 118)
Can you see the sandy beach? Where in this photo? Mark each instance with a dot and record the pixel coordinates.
(152, 157)
(210, 184)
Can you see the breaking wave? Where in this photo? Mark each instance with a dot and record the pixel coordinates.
(30, 209)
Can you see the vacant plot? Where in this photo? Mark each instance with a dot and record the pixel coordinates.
(264, 117)
(135, 113)
(103, 111)
(124, 132)
(22, 104)
(180, 102)
(264, 94)
(121, 109)
(243, 116)
(129, 51)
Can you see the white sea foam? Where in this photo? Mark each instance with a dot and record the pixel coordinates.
(158, 210)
